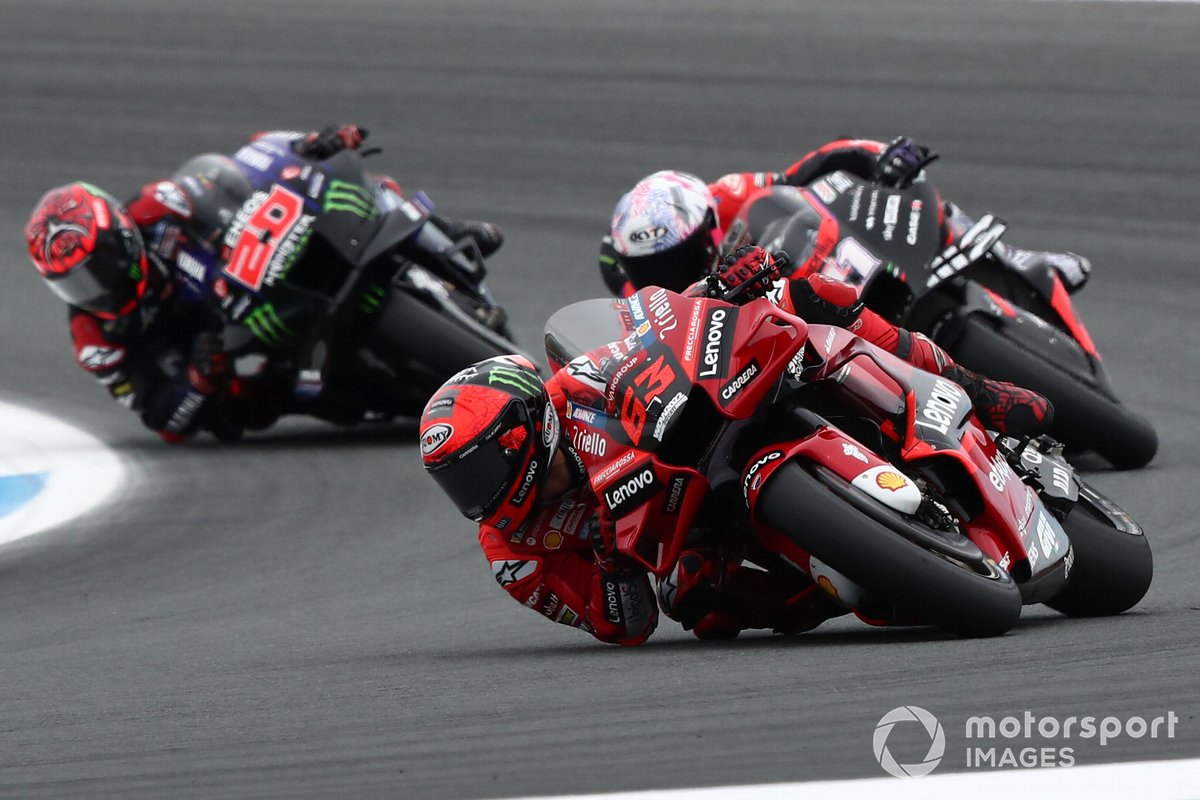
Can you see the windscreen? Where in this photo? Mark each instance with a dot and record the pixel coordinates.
(581, 327)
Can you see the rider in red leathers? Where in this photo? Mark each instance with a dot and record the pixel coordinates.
(499, 442)
(131, 287)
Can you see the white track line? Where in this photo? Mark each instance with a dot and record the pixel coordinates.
(1144, 780)
(80, 472)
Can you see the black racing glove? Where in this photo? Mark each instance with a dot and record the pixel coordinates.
(901, 162)
(209, 370)
(610, 267)
(330, 140)
(602, 530)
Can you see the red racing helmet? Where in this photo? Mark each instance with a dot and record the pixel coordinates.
(487, 438)
(88, 250)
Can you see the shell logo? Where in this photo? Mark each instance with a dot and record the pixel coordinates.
(892, 481)
(827, 585)
(552, 540)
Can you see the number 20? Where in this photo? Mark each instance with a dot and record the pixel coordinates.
(261, 236)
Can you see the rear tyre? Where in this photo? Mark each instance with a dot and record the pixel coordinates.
(1083, 418)
(1112, 569)
(877, 548)
(424, 333)
(425, 345)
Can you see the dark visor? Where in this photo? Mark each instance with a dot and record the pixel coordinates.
(483, 474)
(101, 284)
(675, 268)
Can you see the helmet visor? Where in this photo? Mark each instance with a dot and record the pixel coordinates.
(677, 267)
(479, 478)
(103, 285)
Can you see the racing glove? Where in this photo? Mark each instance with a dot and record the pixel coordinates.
(209, 370)
(901, 162)
(330, 140)
(747, 272)
(626, 613)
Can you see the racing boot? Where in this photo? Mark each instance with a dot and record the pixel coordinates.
(718, 599)
(1001, 406)
(487, 235)
(1072, 268)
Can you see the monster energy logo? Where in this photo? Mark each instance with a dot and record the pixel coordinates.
(266, 325)
(518, 379)
(371, 300)
(351, 198)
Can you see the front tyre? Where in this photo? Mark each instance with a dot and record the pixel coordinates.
(1112, 568)
(889, 554)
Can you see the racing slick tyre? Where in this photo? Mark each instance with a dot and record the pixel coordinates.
(426, 344)
(1112, 568)
(943, 579)
(1083, 417)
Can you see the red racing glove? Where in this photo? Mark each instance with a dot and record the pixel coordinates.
(749, 270)
(330, 140)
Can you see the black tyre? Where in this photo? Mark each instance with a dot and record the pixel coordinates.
(435, 343)
(1112, 569)
(1084, 418)
(949, 583)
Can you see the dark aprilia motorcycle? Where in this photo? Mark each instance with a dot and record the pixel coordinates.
(1001, 311)
(355, 303)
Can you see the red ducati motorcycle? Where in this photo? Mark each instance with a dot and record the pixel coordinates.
(811, 450)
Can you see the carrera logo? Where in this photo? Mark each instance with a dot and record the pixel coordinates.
(735, 386)
(631, 490)
(714, 338)
(434, 437)
(675, 494)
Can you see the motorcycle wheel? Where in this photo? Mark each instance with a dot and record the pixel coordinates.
(430, 345)
(878, 548)
(1112, 569)
(1083, 418)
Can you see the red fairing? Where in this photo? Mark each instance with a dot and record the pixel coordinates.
(732, 191)
(1060, 301)
(734, 353)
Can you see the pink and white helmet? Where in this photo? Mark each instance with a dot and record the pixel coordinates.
(663, 230)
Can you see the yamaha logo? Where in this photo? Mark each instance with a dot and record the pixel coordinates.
(434, 437)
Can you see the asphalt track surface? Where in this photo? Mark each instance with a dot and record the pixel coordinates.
(302, 615)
